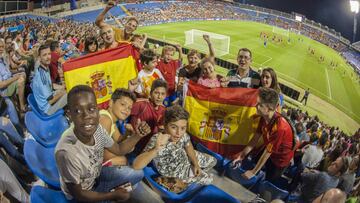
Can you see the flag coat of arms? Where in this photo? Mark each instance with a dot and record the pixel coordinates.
(222, 119)
(103, 71)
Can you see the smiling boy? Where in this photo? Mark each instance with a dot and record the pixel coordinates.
(79, 153)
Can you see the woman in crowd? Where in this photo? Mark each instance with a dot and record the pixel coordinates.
(91, 45)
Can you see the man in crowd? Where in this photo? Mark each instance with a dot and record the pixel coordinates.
(119, 35)
(55, 60)
(48, 100)
(315, 183)
(11, 83)
(244, 76)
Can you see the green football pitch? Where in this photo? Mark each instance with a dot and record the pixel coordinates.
(291, 60)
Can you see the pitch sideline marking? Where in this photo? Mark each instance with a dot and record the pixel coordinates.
(328, 81)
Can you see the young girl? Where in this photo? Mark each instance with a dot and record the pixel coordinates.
(269, 79)
(209, 77)
(173, 153)
(91, 45)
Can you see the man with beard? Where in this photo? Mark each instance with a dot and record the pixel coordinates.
(112, 35)
(48, 101)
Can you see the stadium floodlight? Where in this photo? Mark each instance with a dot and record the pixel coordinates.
(354, 7)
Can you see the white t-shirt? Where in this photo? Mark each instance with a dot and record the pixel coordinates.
(147, 78)
(79, 163)
(312, 156)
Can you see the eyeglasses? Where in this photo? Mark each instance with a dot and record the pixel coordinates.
(244, 57)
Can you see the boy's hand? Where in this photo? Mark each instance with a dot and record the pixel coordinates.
(110, 4)
(121, 194)
(178, 47)
(206, 38)
(224, 82)
(161, 141)
(181, 82)
(237, 161)
(142, 128)
(129, 128)
(248, 174)
(197, 170)
(133, 84)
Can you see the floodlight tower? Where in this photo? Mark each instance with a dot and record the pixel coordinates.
(354, 6)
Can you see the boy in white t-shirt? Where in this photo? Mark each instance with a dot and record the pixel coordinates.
(80, 151)
(148, 74)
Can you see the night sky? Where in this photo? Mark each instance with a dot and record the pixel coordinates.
(335, 14)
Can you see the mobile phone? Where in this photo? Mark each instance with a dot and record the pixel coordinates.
(127, 186)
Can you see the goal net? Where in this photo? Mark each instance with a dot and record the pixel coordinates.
(295, 31)
(280, 31)
(194, 39)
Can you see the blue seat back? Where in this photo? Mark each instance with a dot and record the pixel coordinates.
(236, 175)
(46, 132)
(269, 192)
(213, 194)
(187, 194)
(34, 107)
(41, 194)
(41, 161)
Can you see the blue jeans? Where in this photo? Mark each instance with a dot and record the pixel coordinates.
(7, 127)
(113, 176)
(10, 149)
(13, 115)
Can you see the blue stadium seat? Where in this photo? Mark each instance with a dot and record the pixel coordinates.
(41, 161)
(146, 6)
(90, 16)
(291, 171)
(213, 194)
(236, 175)
(269, 192)
(168, 196)
(46, 132)
(41, 194)
(34, 107)
(221, 161)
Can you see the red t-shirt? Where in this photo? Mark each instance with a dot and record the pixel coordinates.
(145, 111)
(54, 74)
(168, 70)
(278, 140)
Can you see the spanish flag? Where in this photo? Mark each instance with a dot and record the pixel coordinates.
(103, 71)
(222, 119)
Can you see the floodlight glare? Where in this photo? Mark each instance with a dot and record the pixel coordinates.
(354, 6)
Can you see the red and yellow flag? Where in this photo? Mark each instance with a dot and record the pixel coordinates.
(103, 71)
(222, 119)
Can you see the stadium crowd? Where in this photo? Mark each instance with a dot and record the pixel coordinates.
(90, 151)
